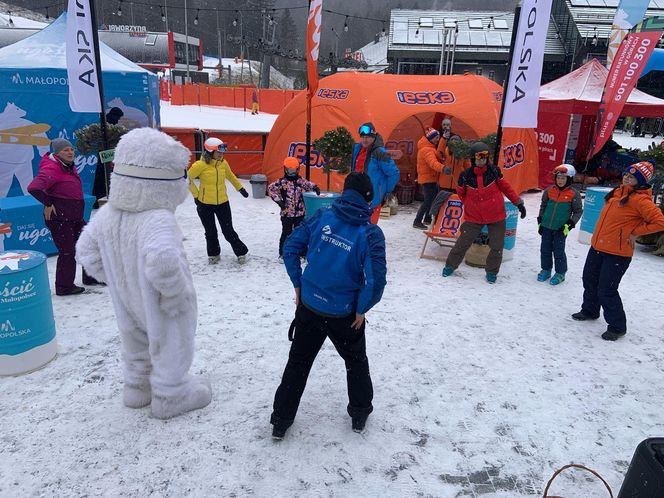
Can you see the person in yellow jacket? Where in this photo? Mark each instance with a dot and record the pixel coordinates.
(429, 167)
(211, 198)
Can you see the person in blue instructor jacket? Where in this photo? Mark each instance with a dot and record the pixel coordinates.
(344, 278)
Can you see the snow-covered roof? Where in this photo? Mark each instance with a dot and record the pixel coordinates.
(375, 53)
(47, 49)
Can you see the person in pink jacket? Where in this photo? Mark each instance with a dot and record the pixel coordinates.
(58, 187)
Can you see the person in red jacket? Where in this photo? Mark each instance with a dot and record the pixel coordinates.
(481, 188)
(629, 212)
(58, 187)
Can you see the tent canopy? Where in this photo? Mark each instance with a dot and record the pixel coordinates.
(34, 103)
(580, 92)
(400, 106)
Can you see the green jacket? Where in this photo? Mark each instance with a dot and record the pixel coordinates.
(558, 206)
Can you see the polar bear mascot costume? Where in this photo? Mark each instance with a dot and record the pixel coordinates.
(134, 244)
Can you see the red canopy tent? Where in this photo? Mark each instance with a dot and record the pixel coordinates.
(567, 114)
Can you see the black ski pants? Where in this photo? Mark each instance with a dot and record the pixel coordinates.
(207, 213)
(311, 331)
(288, 224)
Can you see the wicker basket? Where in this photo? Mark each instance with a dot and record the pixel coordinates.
(405, 193)
(477, 254)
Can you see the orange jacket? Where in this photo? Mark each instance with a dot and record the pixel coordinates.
(453, 168)
(428, 162)
(639, 216)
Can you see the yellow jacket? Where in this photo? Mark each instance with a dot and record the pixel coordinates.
(212, 178)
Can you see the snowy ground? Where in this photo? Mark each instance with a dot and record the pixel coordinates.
(480, 390)
(215, 118)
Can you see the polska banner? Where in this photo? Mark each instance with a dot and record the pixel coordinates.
(81, 66)
(629, 13)
(313, 43)
(627, 66)
(522, 95)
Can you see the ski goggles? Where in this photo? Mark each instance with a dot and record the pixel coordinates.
(222, 148)
(366, 130)
(482, 155)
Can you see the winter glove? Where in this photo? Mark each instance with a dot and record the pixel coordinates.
(244, 193)
(522, 209)
(317, 189)
(540, 229)
(567, 227)
(281, 204)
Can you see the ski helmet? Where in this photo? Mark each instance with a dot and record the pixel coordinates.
(565, 169)
(477, 148)
(214, 144)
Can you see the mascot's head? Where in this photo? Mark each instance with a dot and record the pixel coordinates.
(149, 172)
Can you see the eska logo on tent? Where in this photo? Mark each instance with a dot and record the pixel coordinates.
(299, 150)
(333, 93)
(426, 98)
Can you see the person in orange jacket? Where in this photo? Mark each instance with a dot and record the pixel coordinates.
(629, 212)
(448, 178)
(429, 167)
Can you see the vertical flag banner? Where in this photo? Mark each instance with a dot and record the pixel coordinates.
(81, 67)
(522, 96)
(628, 64)
(313, 43)
(628, 14)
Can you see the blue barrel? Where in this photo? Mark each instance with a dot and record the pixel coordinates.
(27, 328)
(592, 206)
(313, 202)
(511, 222)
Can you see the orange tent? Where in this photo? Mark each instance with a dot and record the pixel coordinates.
(401, 107)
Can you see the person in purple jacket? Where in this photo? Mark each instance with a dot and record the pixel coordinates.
(58, 187)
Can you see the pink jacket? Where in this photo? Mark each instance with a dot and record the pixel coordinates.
(59, 186)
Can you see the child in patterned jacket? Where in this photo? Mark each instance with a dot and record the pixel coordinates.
(288, 192)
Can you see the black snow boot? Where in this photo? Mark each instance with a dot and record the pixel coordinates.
(581, 316)
(612, 334)
(359, 423)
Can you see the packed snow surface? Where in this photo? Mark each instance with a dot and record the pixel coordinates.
(480, 390)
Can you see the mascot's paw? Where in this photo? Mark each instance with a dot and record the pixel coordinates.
(198, 395)
(137, 396)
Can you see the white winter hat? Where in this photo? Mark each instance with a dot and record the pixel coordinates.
(149, 154)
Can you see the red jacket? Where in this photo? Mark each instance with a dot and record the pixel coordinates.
(59, 186)
(481, 191)
(638, 216)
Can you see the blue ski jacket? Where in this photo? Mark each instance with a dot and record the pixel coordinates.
(381, 169)
(346, 266)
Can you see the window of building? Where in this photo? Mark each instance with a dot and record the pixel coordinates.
(478, 71)
(426, 22)
(500, 24)
(492, 75)
(450, 23)
(150, 39)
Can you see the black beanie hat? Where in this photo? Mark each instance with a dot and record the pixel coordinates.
(360, 182)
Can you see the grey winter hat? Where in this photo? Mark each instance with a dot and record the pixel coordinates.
(60, 143)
